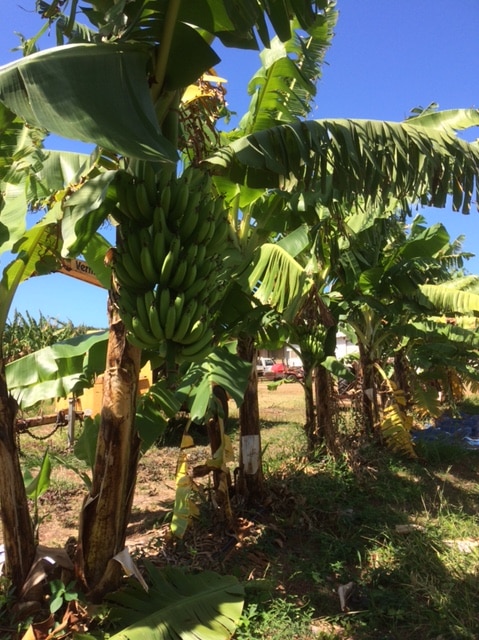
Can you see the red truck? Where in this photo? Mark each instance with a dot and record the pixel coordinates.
(268, 369)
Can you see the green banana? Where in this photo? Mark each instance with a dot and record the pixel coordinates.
(163, 178)
(179, 303)
(122, 184)
(158, 250)
(200, 257)
(190, 276)
(184, 323)
(134, 271)
(170, 323)
(195, 333)
(170, 261)
(163, 301)
(155, 324)
(219, 238)
(142, 311)
(123, 276)
(204, 269)
(132, 244)
(188, 224)
(142, 333)
(179, 276)
(159, 220)
(194, 200)
(149, 176)
(197, 179)
(133, 209)
(136, 342)
(178, 207)
(204, 230)
(148, 266)
(145, 236)
(191, 253)
(220, 208)
(193, 350)
(127, 319)
(198, 356)
(195, 289)
(166, 269)
(208, 231)
(126, 300)
(149, 298)
(143, 202)
(165, 198)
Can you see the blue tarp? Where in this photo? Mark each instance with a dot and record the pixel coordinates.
(463, 430)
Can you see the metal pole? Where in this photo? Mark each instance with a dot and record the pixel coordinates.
(71, 421)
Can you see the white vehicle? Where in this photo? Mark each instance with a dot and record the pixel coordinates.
(263, 365)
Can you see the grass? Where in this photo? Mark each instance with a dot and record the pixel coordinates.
(330, 522)
(333, 522)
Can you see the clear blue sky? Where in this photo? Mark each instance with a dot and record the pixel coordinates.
(387, 57)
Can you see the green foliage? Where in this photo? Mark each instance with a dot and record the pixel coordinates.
(278, 619)
(178, 605)
(339, 158)
(57, 371)
(36, 486)
(342, 521)
(61, 594)
(469, 405)
(25, 334)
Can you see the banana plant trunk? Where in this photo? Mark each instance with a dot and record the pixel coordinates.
(18, 534)
(106, 509)
(320, 425)
(368, 398)
(310, 405)
(326, 425)
(401, 371)
(250, 480)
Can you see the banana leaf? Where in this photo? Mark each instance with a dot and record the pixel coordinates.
(448, 299)
(36, 255)
(179, 606)
(344, 160)
(57, 371)
(96, 93)
(221, 367)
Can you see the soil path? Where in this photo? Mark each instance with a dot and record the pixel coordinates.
(60, 506)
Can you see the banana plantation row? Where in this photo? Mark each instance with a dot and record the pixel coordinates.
(284, 230)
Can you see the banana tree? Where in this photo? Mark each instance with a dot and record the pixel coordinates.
(380, 276)
(335, 158)
(282, 90)
(35, 253)
(73, 91)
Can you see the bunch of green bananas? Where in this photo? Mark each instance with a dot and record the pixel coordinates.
(169, 271)
(313, 345)
(136, 196)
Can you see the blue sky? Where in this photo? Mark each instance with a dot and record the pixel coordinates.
(387, 57)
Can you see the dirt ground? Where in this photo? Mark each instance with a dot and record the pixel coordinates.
(60, 506)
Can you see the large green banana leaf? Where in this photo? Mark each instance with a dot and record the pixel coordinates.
(221, 367)
(236, 23)
(179, 606)
(85, 211)
(21, 152)
(448, 299)
(36, 254)
(284, 87)
(447, 120)
(95, 93)
(57, 371)
(278, 278)
(347, 159)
